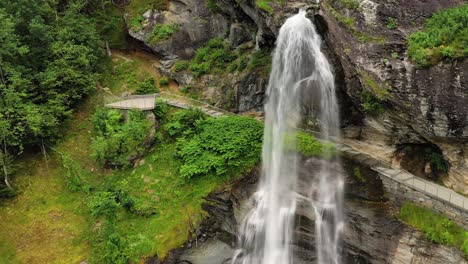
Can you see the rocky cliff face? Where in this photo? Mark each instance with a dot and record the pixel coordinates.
(422, 106)
(372, 233)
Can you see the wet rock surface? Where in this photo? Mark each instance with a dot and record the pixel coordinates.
(372, 233)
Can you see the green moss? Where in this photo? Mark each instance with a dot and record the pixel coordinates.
(445, 36)
(308, 145)
(380, 91)
(370, 104)
(350, 4)
(265, 5)
(358, 176)
(181, 65)
(367, 38)
(436, 227)
(349, 21)
(392, 23)
(162, 32)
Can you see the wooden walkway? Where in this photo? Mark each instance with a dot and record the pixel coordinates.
(136, 102)
(404, 177)
(147, 102)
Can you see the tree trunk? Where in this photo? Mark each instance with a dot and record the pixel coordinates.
(109, 52)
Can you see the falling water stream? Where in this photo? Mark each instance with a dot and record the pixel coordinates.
(299, 69)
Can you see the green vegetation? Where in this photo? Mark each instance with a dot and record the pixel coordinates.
(161, 32)
(181, 65)
(308, 145)
(350, 4)
(138, 7)
(436, 227)
(392, 23)
(147, 86)
(357, 174)
(436, 159)
(349, 21)
(381, 92)
(216, 55)
(445, 36)
(211, 152)
(394, 55)
(49, 62)
(119, 142)
(370, 104)
(265, 5)
(261, 60)
(163, 81)
(213, 7)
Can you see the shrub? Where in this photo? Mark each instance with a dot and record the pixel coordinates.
(184, 122)
(445, 35)
(232, 67)
(75, 174)
(117, 142)
(163, 81)
(260, 59)
(243, 62)
(147, 87)
(213, 7)
(181, 65)
(162, 32)
(103, 204)
(392, 23)
(214, 56)
(208, 151)
(161, 109)
(370, 104)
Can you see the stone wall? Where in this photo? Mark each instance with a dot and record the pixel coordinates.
(398, 192)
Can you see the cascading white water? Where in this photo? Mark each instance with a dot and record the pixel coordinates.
(267, 233)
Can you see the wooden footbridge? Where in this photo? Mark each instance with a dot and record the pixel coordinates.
(437, 192)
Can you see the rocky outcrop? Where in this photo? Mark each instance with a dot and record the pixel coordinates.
(372, 233)
(195, 23)
(422, 105)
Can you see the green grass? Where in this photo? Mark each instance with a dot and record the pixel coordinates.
(378, 90)
(265, 5)
(162, 32)
(47, 222)
(138, 7)
(350, 4)
(445, 36)
(436, 227)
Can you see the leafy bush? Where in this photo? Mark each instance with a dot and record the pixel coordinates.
(161, 109)
(436, 227)
(184, 122)
(370, 104)
(215, 55)
(103, 204)
(118, 142)
(392, 23)
(147, 87)
(260, 59)
(163, 81)
(161, 32)
(445, 35)
(436, 159)
(208, 151)
(181, 65)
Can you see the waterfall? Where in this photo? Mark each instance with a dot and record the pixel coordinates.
(266, 235)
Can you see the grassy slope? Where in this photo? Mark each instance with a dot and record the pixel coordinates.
(46, 222)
